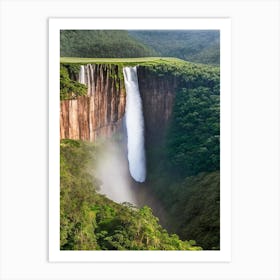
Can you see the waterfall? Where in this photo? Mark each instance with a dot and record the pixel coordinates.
(82, 78)
(135, 126)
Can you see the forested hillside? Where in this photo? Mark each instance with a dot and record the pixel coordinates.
(191, 45)
(90, 221)
(101, 43)
(182, 168)
(183, 164)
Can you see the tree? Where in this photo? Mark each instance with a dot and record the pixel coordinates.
(193, 142)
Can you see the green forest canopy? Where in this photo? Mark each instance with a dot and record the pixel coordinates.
(101, 43)
(193, 45)
(201, 46)
(191, 149)
(90, 221)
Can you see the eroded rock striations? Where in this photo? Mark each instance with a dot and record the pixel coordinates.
(100, 113)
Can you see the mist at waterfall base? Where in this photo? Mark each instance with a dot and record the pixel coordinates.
(112, 171)
(116, 181)
(121, 164)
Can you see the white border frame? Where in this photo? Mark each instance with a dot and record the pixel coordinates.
(223, 255)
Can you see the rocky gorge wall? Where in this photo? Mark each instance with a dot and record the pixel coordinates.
(100, 113)
(158, 95)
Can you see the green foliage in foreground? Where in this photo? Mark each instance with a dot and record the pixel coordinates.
(192, 204)
(90, 221)
(197, 208)
(69, 88)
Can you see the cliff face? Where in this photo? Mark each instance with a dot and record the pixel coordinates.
(158, 95)
(100, 112)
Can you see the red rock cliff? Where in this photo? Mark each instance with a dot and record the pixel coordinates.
(100, 112)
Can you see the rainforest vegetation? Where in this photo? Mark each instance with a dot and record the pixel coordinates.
(192, 45)
(101, 43)
(184, 167)
(90, 221)
(183, 170)
(69, 88)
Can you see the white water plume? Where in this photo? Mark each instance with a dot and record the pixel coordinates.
(135, 126)
(82, 78)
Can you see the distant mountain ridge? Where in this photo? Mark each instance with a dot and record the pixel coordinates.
(101, 43)
(201, 46)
